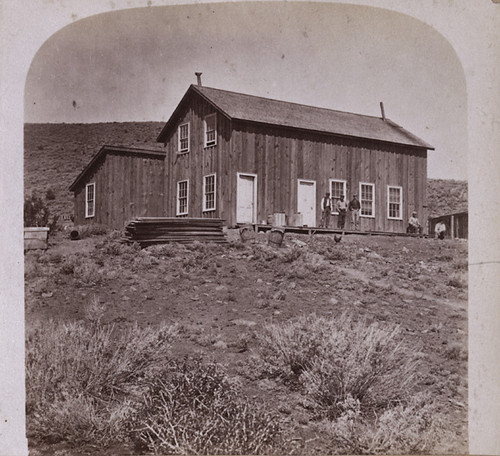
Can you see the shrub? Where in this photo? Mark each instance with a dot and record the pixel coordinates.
(194, 409)
(36, 213)
(404, 429)
(460, 265)
(456, 283)
(335, 359)
(50, 195)
(456, 352)
(81, 376)
(113, 245)
(92, 229)
(291, 255)
(337, 254)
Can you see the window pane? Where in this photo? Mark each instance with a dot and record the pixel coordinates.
(184, 137)
(182, 197)
(394, 200)
(89, 200)
(210, 129)
(366, 199)
(209, 193)
(337, 189)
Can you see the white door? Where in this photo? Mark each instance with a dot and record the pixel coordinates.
(246, 198)
(306, 201)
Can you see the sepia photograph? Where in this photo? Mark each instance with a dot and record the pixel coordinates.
(246, 231)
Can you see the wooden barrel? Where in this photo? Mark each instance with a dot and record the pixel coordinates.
(247, 233)
(276, 237)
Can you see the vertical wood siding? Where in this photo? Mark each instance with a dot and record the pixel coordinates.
(200, 161)
(126, 186)
(280, 157)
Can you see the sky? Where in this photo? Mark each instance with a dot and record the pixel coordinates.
(136, 64)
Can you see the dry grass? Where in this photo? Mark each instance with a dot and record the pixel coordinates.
(81, 376)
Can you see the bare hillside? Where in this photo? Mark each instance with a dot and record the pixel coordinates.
(446, 196)
(54, 155)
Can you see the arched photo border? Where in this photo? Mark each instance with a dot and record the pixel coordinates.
(472, 29)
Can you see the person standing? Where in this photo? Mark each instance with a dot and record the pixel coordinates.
(354, 207)
(341, 207)
(326, 209)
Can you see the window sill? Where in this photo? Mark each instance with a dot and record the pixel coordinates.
(183, 153)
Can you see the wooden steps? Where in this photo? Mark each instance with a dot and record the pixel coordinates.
(163, 230)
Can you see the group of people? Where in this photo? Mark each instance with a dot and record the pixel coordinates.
(341, 207)
(354, 207)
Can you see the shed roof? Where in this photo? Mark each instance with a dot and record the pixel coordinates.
(251, 108)
(118, 150)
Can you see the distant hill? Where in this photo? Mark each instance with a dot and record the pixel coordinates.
(446, 196)
(54, 155)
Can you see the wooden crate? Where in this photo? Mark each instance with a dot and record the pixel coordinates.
(36, 238)
(296, 220)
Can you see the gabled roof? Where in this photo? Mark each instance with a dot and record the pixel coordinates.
(117, 150)
(250, 108)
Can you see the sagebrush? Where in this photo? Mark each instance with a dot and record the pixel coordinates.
(334, 359)
(82, 375)
(194, 408)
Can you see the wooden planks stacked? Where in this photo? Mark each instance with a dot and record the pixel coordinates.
(163, 230)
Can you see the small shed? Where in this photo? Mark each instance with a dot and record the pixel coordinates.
(118, 185)
(457, 224)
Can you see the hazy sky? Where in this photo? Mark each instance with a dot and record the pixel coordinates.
(135, 65)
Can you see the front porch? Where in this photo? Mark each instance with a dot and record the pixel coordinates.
(258, 227)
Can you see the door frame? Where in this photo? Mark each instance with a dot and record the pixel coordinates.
(254, 209)
(308, 181)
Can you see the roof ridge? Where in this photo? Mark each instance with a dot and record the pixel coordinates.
(289, 102)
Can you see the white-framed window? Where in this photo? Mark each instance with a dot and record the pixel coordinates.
(210, 130)
(183, 138)
(209, 186)
(367, 199)
(90, 200)
(338, 188)
(394, 202)
(182, 197)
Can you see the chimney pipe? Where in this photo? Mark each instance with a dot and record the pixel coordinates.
(198, 76)
(382, 109)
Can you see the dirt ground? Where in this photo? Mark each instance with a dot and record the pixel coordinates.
(221, 294)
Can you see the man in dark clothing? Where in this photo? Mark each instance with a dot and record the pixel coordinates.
(326, 209)
(354, 207)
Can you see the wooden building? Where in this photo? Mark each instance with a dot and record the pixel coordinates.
(457, 225)
(119, 184)
(243, 158)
